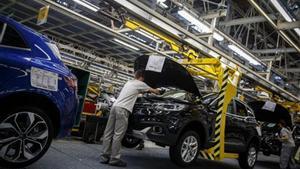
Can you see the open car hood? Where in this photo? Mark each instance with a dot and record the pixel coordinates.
(269, 116)
(172, 75)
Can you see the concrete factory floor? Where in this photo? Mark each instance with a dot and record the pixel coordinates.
(74, 154)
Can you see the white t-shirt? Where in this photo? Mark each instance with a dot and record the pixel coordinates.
(129, 94)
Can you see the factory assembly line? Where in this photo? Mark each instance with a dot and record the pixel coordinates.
(226, 71)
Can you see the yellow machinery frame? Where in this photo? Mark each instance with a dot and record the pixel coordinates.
(293, 107)
(228, 79)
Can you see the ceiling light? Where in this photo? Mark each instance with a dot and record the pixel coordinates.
(278, 78)
(213, 54)
(297, 30)
(218, 37)
(200, 26)
(147, 34)
(282, 11)
(147, 16)
(240, 52)
(162, 4)
(126, 44)
(87, 5)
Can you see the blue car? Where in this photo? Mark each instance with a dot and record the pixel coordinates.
(38, 94)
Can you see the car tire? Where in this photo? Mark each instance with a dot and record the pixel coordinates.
(266, 153)
(130, 141)
(26, 133)
(89, 139)
(186, 151)
(248, 159)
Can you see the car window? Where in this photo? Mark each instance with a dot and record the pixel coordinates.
(1, 26)
(210, 99)
(250, 112)
(1, 30)
(241, 109)
(12, 38)
(230, 108)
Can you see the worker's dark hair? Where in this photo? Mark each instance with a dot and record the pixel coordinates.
(282, 122)
(139, 73)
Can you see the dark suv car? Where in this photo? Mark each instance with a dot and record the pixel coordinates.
(184, 121)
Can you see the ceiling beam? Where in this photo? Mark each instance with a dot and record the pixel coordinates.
(273, 24)
(124, 30)
(288, 25)
(270, 58)
(291, 70)
(215, 14)
(57, 26)
(246, 20)
(278, 50)
(8, 5)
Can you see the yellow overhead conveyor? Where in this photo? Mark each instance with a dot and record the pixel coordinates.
(292, 107)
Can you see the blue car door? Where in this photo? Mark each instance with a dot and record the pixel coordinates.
(14, 59)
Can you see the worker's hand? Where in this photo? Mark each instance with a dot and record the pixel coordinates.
(154, 91)
(162, 91)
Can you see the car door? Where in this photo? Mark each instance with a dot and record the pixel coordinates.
(251, 128)
(14, 57)
(235, 141)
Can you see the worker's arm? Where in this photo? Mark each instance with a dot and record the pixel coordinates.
(144, 88)
(155, 91)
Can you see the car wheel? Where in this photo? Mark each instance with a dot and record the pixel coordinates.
(186, 151)
(266, 153)
(130, 142)
(248, 159)
(25, 135)
(89, 139)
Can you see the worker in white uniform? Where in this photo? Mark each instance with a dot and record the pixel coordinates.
(288, 145)
(118, 119)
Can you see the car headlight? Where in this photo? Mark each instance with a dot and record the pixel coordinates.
(169, 107)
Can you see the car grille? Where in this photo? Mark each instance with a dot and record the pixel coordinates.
(139, 106)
